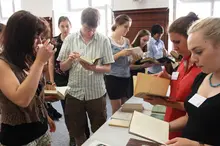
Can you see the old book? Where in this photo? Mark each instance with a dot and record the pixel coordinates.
(136, 51)
(90, 61)
(151, 85)
(131, 107)
(122, 116)
(149, 60)
(176, 55)
(136, 142)
(119, 123)
(165, 60)
(148, 127)
(59, 92)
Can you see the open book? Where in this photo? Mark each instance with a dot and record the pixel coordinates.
(90, 61)
(136, 51)
(150, 128)
(151, 85)
(157, 61)
(60, 92)
(175, 55)
(149, 60)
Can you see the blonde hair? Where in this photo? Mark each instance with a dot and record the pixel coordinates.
(210, 29)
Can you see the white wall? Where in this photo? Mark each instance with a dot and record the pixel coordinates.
(41, 8)
(131, 4)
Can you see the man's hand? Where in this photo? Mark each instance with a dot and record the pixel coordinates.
(88, 66)
(73, 56)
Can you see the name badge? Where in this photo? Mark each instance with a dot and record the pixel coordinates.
(175, 76)
(197, 100)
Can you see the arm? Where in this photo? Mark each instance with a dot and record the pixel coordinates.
(178, 141)
(66, 65)
(176, 105)
(160, 101)
(123, 52)
(178, 124)
(51, 69)
(20, 94)
(66, 57)
(103, 69)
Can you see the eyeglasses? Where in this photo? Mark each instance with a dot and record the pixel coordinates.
(89, 29)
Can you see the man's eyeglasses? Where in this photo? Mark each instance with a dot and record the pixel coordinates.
(89, 29)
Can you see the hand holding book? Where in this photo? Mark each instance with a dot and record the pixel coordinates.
(73, 56)
(156, 100)
(88, 66)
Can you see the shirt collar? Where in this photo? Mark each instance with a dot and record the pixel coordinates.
(155, 41)
(79, 35)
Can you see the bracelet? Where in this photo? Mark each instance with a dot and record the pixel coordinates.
(49, 83)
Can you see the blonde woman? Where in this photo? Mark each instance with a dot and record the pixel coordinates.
(201, 123)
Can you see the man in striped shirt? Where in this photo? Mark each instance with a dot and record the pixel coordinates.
(87, 88)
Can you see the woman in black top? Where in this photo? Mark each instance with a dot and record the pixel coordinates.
(140, 40)
(201, 123)
(58, 77)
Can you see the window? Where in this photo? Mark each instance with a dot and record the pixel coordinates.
(216, 11)
(202, 9)
(74, 4)
(74, 14)
(96, 3)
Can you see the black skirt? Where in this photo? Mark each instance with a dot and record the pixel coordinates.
(117, 87)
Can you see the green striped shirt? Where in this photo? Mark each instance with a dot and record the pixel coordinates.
(84, 84)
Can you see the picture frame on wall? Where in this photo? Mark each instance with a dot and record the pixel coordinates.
(7, 8)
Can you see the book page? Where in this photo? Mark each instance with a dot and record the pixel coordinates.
(62, 90)
(136, 51)
(148, 127)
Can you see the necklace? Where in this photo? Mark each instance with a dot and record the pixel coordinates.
(210, 82)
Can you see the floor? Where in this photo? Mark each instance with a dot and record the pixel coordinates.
(60, 137)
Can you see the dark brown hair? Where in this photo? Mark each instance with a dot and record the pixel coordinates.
(91, 17)
(140, 34)
(18, 38)
(182, 24)
(46, 34)
(63, 18)
(120, 20)
(2, 27)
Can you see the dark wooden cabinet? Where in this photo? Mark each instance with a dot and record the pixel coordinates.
(49, 20)
(145, 18)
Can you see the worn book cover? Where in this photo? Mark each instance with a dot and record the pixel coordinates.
(151, 85)
(131, 107)
(150, 128)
